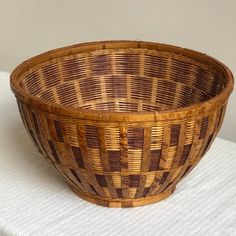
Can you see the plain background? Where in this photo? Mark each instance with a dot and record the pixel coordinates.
(29, 27)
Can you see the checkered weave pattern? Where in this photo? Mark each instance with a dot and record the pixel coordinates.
(117, 161)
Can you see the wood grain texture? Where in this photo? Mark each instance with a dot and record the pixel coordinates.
(122, 121)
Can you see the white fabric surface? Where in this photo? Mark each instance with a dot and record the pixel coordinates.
(35, 200)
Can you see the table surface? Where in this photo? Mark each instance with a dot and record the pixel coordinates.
(35, 200)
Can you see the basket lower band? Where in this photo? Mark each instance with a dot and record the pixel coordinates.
(125, 202)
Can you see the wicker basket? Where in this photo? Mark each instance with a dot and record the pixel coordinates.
(122, 121)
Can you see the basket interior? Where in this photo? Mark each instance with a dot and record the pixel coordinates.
(123, 80)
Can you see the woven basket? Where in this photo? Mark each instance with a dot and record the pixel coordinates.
(122, 121)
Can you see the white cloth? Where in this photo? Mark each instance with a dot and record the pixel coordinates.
(35, 200)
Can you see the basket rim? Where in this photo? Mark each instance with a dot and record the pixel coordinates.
(106, 115)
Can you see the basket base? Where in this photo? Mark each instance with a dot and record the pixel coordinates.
(107, 202)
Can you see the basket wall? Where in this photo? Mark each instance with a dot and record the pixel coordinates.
(122, 161)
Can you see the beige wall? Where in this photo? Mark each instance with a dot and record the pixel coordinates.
(29, 27)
